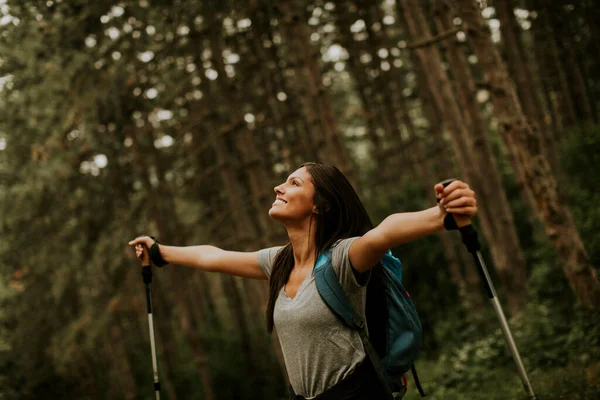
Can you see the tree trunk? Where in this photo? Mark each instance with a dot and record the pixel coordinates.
(507, 250)
(261, 195)
(591, 15)
(550, 62)
(576, 80)
(525, 82)
(309, 83)
(439, 86)
(122, 383)
(557, 21)
(390, 87)
(344, 20)
(467, 282)
(527, 151)
(289, 124)
(169, 226)
(548, 85)
(165, 345)
(236, 301)
(191, 323)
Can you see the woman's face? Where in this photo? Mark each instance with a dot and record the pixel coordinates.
(294, 200)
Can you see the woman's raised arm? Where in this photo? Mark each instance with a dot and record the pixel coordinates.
(457, 198)
(208, 258)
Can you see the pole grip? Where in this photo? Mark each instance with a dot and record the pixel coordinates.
(467, 232)
(449, 221)
(469, 239)
(446, 183)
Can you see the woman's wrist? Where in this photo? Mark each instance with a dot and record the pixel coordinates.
(437, 214)
(156, 255)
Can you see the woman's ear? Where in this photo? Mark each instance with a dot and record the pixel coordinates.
(317, 210)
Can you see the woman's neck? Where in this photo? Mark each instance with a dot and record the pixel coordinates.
(303, 243)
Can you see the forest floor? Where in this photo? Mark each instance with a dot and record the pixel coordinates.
(571, 382)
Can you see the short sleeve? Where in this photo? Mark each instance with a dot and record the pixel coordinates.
(349, 278)
(266, 257)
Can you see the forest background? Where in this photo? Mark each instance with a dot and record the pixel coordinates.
(177, 118)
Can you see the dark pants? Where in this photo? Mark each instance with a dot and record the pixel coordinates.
(362, 384)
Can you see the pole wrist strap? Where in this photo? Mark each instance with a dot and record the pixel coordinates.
(155, 255)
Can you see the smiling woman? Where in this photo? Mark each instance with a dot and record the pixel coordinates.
(295, 196)
(321, 211)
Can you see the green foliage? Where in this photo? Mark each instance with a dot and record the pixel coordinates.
(581, 162)
(566, 382)
(555, 347)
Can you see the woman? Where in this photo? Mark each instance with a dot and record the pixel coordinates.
(320, 210)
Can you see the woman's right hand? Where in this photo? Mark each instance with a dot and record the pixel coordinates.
(142, 245)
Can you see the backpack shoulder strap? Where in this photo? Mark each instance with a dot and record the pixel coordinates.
(331, 292)
(333, 295)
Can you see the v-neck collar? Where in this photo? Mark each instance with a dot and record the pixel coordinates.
(321, 259)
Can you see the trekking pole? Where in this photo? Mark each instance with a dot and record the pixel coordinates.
(469, 238)
(147, 275)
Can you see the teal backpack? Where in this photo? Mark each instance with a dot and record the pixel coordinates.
(398, 331)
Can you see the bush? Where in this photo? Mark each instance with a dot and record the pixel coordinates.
(581, 164)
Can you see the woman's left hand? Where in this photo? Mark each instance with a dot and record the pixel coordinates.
(459, 199)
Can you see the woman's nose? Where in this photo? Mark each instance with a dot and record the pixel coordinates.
(278, 189)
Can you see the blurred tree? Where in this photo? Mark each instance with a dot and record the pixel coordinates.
(529, 160)
(492, 195)
(565, 33)
(308, 83)
(525, 82)
(505, 252)
(461, 271)
(550, 65)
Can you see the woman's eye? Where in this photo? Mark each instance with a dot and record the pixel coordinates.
(295, 183)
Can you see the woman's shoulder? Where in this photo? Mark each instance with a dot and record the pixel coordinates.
(340, 249)
(349, 278)
(266, 258)
(344, 243)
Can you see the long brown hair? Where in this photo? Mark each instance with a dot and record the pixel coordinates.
(340, 215)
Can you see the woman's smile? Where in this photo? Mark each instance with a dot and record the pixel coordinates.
(297, 189)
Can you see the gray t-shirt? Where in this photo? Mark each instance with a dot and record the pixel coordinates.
(319, 350)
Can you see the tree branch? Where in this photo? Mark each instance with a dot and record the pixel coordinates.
(434, 39)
